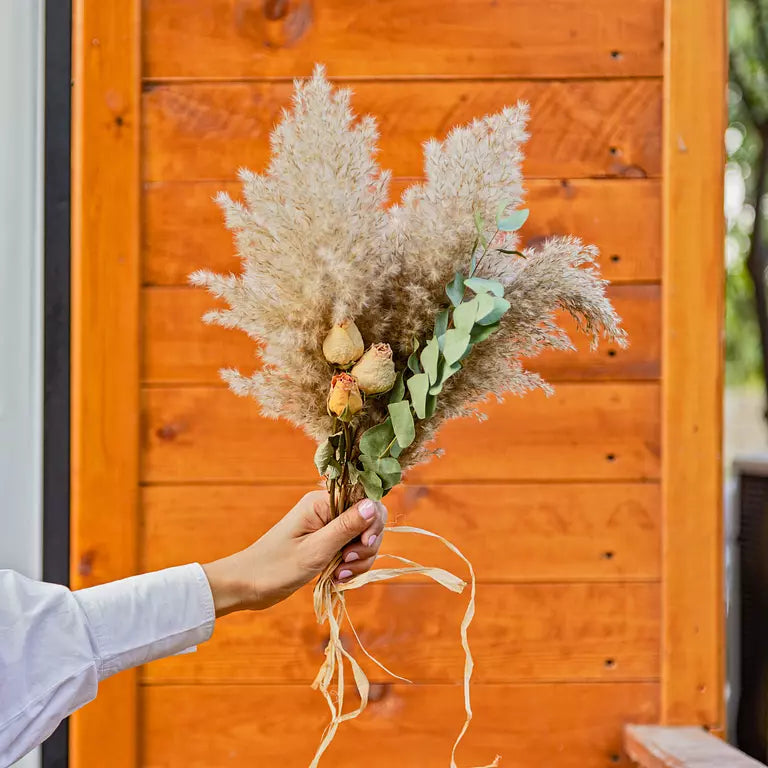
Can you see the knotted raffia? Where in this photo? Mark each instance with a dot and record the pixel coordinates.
(330, 606)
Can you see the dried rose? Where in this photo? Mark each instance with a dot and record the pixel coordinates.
(344, 396)
(343, 344)
(375, 371)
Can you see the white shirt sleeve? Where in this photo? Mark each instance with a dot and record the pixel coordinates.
(56, 645)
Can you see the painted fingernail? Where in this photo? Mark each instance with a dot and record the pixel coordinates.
(367, 509)
(350, 557)
(345, 574)
(372, 540)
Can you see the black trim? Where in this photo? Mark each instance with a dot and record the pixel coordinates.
(58, 111)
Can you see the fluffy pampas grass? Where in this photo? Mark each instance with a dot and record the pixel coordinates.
(436, 289)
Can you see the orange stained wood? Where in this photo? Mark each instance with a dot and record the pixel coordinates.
(585, 432)
(653, 746)
(524, 532)
(526, 632)
(195, 131)
(692, 360)
(585, 622)
(183, 228)
(532, 725)
(403, 38)
(180, 349)
(105, 336)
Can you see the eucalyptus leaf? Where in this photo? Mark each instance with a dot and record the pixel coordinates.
(398, 390)
(500, 306)
(479, 224)
(464, 315)
(395, 450)
(375, 440)
(485, 304)
(402, 421)
(372, 485)
(482, 332)
(514, 221)
(324, 454)
(446, 371)
(389, 471)
(484, 285)
(353, 473)
(413, 360)
(431, 406)
(441, 322)
(334, 469)
(418, 386)
(429, 358)
(457, 341)
(455, 289)
(510, 252)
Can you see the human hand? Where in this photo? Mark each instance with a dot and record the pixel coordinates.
(296, 550)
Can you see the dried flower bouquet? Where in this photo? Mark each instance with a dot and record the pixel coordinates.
(376, 324)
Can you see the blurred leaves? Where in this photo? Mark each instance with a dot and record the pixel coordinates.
(744, 140)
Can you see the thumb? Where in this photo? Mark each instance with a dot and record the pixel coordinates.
(347, 526)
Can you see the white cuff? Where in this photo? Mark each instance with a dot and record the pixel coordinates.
(147, 617)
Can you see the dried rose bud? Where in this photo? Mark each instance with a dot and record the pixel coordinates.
(343, 344)
(344, 395)
(375, 371)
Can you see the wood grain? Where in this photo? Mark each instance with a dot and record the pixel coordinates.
(104, 341)
(584, 432)
(578, 128)
(695, 80)
(184, 230)
(521, 633)
(180, 349)
(654, 746)
(533, 725)
(511, 532)
(465, 38)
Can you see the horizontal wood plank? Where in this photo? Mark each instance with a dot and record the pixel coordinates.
(520, 633)
(654, 746)
(584, 432)
(578, 128)
(568, 726)
(606, 531)
(184, 230)
(399, 37)
(180, 349)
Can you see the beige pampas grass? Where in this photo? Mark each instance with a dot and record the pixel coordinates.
(447, 306)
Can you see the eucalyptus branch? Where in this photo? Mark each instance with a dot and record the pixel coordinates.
(483, 254)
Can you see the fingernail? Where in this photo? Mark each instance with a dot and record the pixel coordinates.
(372, 540)
(367, 509)
(350, 557)
(345, 574)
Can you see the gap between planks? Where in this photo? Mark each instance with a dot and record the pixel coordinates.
(152, 82)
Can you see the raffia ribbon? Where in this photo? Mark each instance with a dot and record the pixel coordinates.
(330, 606)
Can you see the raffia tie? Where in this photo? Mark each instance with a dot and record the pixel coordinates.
(330, 606)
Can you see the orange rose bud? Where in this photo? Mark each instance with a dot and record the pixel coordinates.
(375, 371)
(344, 397)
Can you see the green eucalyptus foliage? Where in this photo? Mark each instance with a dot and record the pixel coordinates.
(470, 320)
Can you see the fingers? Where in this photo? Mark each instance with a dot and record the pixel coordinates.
(348, 570)
(366, 518)
(367, 545)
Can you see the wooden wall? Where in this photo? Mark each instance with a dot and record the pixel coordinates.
(559, 501)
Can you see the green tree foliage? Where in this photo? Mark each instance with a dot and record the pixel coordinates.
(745, 141)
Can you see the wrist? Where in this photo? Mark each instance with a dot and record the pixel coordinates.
(230, 592)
